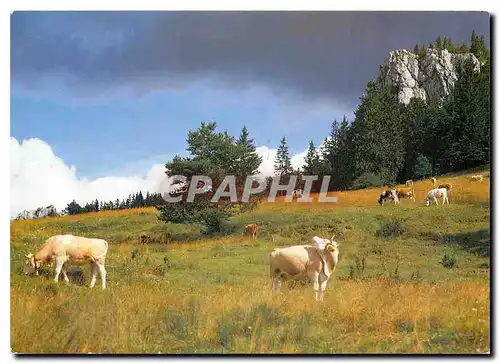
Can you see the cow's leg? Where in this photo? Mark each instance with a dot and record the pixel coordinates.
(94, 268)
(322, 288)
(65, 276)
(102, 271)
(59, 264)
(316, 284)
(276, 284)
(436, 200)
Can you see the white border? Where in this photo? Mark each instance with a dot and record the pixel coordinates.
(9, 6)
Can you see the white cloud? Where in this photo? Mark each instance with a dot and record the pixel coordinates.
(268, 154)
(40, 178)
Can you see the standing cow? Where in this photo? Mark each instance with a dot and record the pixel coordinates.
(305, 262)
(252, 229)
(62, 249)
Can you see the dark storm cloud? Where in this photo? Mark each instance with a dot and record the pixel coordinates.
(316, 54)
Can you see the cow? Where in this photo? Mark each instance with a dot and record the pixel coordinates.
(432, 195)
(405, 193)
(433, 180)
(409, 183)
(252, 229)
(76, 250)
(445, 185)
(297, 193)
(388, 194)
(477, 177)
(315, 262)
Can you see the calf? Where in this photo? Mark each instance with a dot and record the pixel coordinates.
(305, 262)
(432, 195)
(62, 249)
(388, 194)
(478, 177)
(252, 229)
(297, 193)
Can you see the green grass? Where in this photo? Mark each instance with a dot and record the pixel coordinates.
(391, 292)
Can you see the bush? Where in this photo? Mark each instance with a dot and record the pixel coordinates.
(449, 261)
(391, 228)
(367, 180)
(423, 167)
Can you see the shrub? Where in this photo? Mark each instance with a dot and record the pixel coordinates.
(160, 270)
(423, 167)
(358, 268)
(391, 228)
(367, 180)
(449, 261)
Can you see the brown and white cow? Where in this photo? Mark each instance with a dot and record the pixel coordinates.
(76, 250)
(445, 185)
(301, 262)
(252, 229)
(406, 193)
(388, 195)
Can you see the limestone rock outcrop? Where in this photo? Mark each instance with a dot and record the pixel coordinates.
(430, 78)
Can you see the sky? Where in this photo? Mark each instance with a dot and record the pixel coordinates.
(100, 101)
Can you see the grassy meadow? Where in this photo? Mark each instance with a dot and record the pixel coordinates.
(411, 279)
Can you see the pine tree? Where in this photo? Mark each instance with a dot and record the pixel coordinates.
(438, 43)
(474, 44)
(73, 208)
(140, 199)
(282, 161)
(312, 162)
(377, 134)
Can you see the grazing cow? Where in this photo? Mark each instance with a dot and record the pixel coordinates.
(252, 229)
(388, 194)
(432, 195)
(61, 249)
(445, 185)
(301, 262)
(433, 180)
(477, 177)
(405, 193)
(297, 193)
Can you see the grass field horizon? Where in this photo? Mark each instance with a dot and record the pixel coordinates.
(411, 279)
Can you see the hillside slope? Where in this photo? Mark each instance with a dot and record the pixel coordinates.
(173, 290)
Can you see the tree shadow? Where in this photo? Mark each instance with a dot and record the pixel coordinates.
(476, 242)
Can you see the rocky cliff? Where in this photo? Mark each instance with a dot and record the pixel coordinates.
(429, 78)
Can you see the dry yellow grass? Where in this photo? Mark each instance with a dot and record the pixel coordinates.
(216, 297)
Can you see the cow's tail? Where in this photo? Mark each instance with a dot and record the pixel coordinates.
(94, 258)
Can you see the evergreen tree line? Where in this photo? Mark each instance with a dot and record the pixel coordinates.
(477, 47)
(389, 142)
(134, 200)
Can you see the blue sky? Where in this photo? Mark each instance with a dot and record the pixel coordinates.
(115, 93)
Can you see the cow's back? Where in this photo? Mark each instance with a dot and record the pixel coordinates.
(79, 249)
(294, 260)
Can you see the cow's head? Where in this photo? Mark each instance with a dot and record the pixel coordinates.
(31, 265)
(332, 246)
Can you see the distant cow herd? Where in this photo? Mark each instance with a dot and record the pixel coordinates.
(315, 261)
